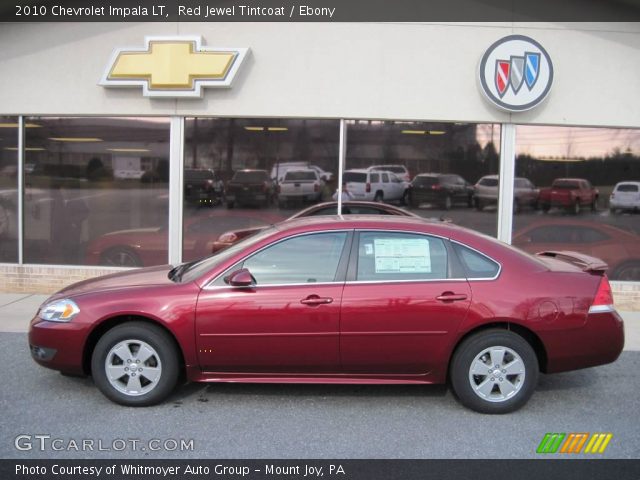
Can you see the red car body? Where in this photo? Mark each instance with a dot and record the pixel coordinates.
(345, 331)
(148, 246)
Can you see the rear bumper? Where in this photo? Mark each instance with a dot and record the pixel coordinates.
(623, 204)
(598, 342)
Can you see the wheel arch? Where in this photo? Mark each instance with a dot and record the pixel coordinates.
(529, 336)
(112, 322)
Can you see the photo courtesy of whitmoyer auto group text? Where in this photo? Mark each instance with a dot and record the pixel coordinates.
(320, 239)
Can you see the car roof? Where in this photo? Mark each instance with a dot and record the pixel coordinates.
(358, 170)
(628, 182)
(359, 203)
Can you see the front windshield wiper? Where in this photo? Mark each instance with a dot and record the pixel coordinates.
(175, 274)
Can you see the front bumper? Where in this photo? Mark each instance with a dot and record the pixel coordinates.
(58, 345)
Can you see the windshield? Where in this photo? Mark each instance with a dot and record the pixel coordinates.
(426, 181)
(202, 266)
(251, 176)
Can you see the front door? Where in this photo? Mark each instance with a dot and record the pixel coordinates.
(400, 308)
(288, 322)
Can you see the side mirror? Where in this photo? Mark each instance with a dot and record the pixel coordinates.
(241, 278)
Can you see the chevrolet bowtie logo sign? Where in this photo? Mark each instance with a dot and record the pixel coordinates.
(173, 67)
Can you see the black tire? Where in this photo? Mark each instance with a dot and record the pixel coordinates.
(465, 356)
(120, 257)
(545, 208)
(594, 205)
(152, 335)
(628, 271)
(478, 204)
(378, 197)
(405, 198)
(230, 204)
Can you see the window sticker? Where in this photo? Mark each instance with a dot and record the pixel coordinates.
(368, 249)
(402, 255)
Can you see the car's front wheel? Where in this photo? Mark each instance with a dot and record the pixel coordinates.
(494, 371)
(135, 364)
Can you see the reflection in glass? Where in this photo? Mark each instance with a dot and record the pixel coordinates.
(245, 173)
(96, 191)
(8, 189)
(588, 182)
(433, 169)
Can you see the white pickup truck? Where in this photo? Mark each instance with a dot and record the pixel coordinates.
(299, 185)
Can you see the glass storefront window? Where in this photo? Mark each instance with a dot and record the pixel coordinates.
(436, 170)
(243, 174)
(587, 194)
(8, 189)
(96, 191)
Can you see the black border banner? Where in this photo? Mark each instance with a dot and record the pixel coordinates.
(491, 469)
(319, 10)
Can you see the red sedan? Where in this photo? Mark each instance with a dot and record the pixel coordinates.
(358, 299)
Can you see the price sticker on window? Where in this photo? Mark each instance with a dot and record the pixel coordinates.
(402, 255)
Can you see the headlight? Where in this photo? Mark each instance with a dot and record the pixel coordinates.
(59, 311)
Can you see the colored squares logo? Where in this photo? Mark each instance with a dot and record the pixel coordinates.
(574, 443)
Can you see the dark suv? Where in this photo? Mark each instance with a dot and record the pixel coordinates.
(442, 189)
(201, 187)
(250, 187)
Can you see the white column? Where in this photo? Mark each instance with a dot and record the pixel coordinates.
(507, 174)
(342, 152)
(176, 169)
(21, 190)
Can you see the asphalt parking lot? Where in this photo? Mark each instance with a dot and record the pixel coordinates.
(305, 421)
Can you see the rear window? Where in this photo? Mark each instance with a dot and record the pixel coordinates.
(252, 176)
(565, 184)
(427, 181)
(294, 176)
(627, 187)
(355, 177)
(488, 182)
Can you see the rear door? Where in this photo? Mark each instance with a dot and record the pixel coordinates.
(400, 305)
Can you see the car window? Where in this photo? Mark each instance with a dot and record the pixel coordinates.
(385, 177)
(355, 177)
(552, 234)
(325, 211)
(589, 235)
(475, 264)
(390, 256)
(374, 178)
(304, 259)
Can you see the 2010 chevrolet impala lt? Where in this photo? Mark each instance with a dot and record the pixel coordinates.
(339, 300)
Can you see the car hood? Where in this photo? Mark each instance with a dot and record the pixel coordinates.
(132, 278)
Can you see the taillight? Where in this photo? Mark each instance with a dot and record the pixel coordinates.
(368, 189)
(603, 301)
(435, 187)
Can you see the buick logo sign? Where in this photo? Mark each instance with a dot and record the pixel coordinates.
(516, 73)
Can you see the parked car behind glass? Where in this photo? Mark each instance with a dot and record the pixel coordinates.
(444, 190)
(625, 196)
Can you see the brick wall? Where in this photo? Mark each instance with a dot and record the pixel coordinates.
(45, 279)
(48, 279)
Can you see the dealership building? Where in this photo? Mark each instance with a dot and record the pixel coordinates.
(118, 140)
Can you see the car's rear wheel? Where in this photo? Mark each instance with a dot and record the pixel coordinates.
(629, 271)
(479, 204)
(379, 196)
(120, 257)
(576, 207)
(494, 371)
(135, 364)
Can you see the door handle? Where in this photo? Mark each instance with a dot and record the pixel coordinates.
(314, 300)
(451, 297)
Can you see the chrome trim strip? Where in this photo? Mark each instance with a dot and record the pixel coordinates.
(602, 309)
